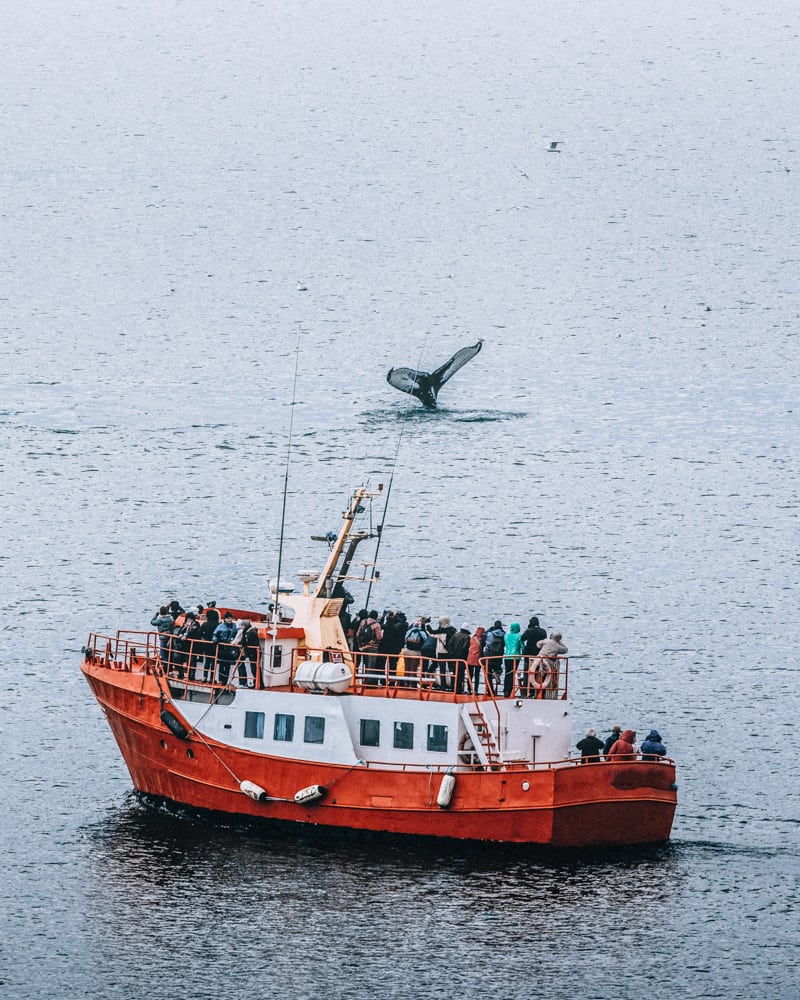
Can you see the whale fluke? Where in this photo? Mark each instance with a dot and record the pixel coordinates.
(426, 386)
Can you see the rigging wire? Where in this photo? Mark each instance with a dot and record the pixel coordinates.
(276, 600)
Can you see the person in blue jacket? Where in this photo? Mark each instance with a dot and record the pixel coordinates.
(224, 634)
(652, 748)
(494, 646)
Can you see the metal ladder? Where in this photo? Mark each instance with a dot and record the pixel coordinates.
(483, 742)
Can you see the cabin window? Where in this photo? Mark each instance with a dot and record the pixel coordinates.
(370, 733)
(254, 725)
(404, 735)
(284, 728)
(437, 738)
(314, 731)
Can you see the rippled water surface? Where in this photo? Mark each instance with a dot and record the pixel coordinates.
(620, 459)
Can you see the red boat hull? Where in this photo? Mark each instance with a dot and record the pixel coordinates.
(565, 806)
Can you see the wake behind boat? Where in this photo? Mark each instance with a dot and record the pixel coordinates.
(335, 737)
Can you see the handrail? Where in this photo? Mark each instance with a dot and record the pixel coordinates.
(373, 672)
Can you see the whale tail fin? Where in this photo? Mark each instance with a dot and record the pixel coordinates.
(449, 368)
(415, 383)
(426, 387)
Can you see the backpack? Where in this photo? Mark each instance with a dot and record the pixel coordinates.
(366, 633)
(415, 637)
(497, 646)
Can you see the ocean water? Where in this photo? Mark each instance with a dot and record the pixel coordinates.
(218, 218)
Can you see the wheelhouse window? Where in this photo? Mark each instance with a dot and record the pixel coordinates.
(254, 725)
(284, 728)
(404, 735)
(370, 733)
(437, 738)
(314, 730)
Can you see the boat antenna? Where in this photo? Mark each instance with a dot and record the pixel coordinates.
(276, 600)
(403, 423)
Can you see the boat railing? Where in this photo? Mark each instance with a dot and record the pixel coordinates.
(398, 673)
(217, 664)
(513, 766)
(619, 758)
(195, 660)
(130, 651)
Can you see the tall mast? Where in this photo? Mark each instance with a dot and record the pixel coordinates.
(349, 515)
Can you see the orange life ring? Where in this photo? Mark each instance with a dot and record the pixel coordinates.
(544, 671)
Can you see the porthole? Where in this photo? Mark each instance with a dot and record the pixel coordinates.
(163, 744)
(190, 753)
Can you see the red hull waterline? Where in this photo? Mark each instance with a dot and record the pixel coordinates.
(566, 804)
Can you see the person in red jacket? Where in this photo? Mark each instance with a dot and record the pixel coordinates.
(474, 657)
(624, 745)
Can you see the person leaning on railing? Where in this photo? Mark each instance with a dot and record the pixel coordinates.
(164, 623)
(546, 669)
(590, 747)
(652, 748)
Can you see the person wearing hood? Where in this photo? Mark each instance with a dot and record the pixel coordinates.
(590, 747)
(513, 650)
(624, 746)
(652, 748)
(474, 657)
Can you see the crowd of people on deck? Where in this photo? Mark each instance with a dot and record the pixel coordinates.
(443, 657)
(525, 663)
(205, 641)
(621, 743)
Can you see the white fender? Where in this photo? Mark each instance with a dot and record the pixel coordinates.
(313, 793)
(253, 791)
(446, 789)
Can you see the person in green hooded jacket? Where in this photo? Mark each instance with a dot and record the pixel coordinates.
(513, 651)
